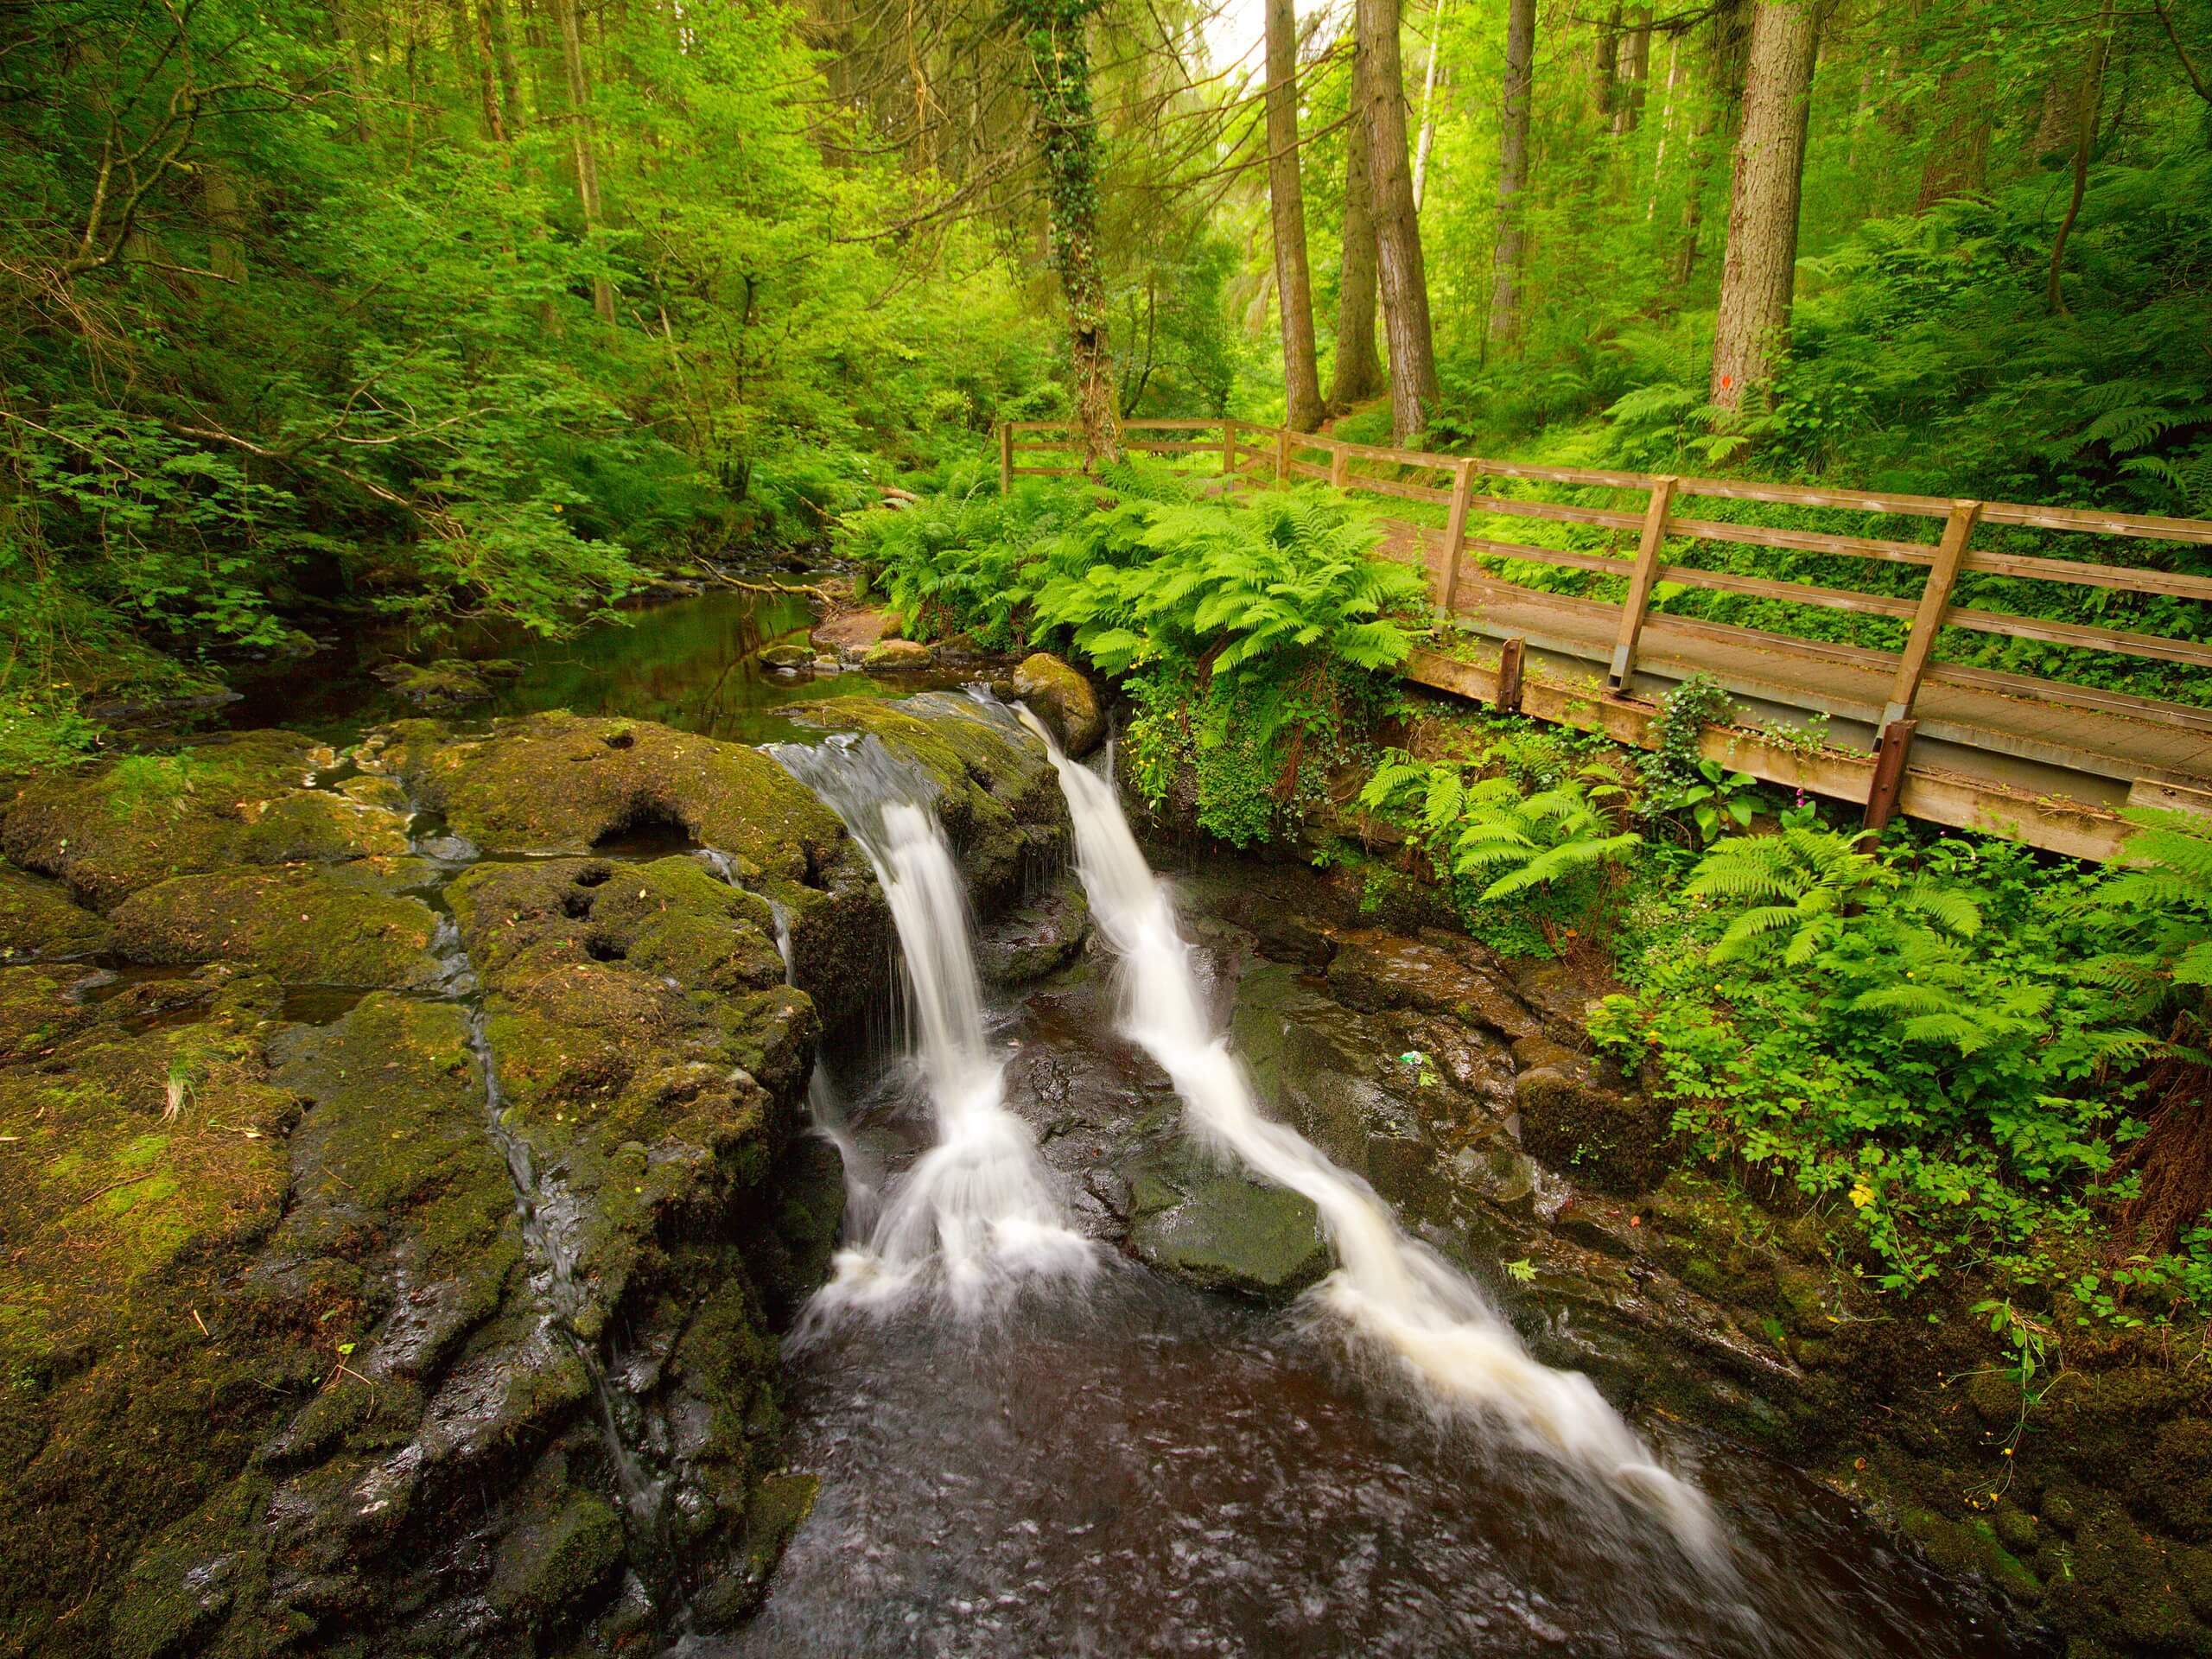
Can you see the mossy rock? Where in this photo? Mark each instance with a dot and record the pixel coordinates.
(1614, 1141)
(37, 1012)
(445, 684)
(1036, 939)
(1063, 699)
(39, 922)
(897, 657)
(302, 925)
(226, 801)
(138, 1184)
(998, 796)
(551, 1567)
(787, 657)
(1222, 1232)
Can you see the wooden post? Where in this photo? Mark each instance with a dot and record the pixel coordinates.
(1928, 620)
(1282, 455)
(1228, 446)
(1339, 465)
(1455, 534)
(1509, 675)
(1889, 773)
(1641, 582)
(1005, 457)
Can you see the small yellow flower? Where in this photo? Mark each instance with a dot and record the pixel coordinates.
(1862, 1195)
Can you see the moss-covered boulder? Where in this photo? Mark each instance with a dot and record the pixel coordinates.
(1063, 699)
(996, 791)
(447, 682)
(897, 657)
(1036, 939)
(1618, 1141)
(561, 783)
(1222, 1232)
(225, 801)
(303, 926)
(39, 922)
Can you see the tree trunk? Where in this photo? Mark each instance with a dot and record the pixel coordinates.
(2088, 103)
(1604, 63)
(1958, 158)
(492, 20)
(1358, 374)
(1059, 61)
(1727, 42)
(487, 76)
(1301, 379)
(1634, 74)
(572, 65)
(1428, 103)
(1760, 271)
(1512, 172)
(1397, 225)
(219, 195)
(1666, 126)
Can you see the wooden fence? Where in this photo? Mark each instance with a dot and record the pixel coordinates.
(2159, 750)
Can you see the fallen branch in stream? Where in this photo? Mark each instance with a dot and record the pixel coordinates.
(771, 585)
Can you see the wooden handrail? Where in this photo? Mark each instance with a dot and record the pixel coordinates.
(1945, 560)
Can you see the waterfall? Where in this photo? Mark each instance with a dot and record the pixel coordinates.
(976, 1214)
(1396, 1294)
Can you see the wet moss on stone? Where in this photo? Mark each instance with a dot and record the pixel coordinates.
(301, 925)
(39, 921)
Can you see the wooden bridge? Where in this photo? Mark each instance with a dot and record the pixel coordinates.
(2043, 760)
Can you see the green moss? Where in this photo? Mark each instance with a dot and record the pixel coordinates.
(300, 925)
(229, 801)
(39, 923)
(560, 783)
(548, 1569)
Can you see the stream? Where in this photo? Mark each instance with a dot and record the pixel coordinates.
(1030, 1444)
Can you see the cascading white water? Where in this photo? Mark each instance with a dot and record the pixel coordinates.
(1394, 1293)
(976, 1213)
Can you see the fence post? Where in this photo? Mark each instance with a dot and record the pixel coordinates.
(1509, 675)
(1894, 741)
(1455, 533)
(1339, 465)
(1228, 446)
(1641, 582)
(1282, 455)
(1006, 458)
(1928, 620)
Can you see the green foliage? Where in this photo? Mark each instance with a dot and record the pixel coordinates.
(1908, 1030)
(1254, 635)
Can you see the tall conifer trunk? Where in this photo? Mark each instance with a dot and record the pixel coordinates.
(1397, 224)
(572, 65)
(1512, 171)
(1760, 271)
(1358, 374)
(1301, 379)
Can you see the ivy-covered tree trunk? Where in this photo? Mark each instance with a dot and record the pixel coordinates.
(1759, 273)
(1059, 60)
(1286, 205)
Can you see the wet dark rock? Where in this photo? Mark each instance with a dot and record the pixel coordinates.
(1435, 973)
(1222, 1230)
(1617, 1140)
(1036, 939)
(39, 921)
(1063, 699)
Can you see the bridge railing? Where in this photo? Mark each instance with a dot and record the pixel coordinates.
(1643, 542)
